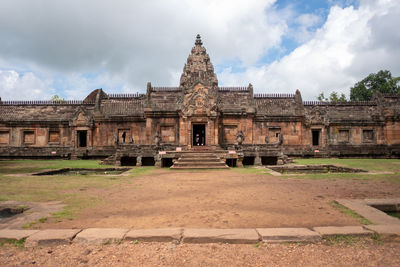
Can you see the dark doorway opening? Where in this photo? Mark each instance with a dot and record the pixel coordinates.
(166, 162)
(248, 161)
(82, 138)
(148, 161)
(128, 161)
(269, 160)
(315, 137)
(199, 134)
(231, 162)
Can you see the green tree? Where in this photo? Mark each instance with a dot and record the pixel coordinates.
(56, 98)
(382, 82)
(333, 97)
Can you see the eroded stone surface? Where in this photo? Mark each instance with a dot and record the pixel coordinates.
(391, 232)
(16, 234)
(288, 235)
(341, 230)
(98, 236)
(155, 235)
(368, 212)
(51, 237)
(237, 236)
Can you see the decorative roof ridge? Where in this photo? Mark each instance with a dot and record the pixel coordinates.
(165, 88)
(233, 89)
(127, 95)
(350, 103)
(278, 95)
(46, 102)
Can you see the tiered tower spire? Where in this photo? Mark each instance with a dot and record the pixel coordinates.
(198, 67)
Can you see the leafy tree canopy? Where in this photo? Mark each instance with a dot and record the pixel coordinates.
(333, 97)
(56, 98)
(382, 82)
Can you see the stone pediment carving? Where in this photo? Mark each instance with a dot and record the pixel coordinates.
(82, 118)
(199, 100)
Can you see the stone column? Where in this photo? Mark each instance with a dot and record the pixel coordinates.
(257, 160)
(139, 161)
(149, 130)
(157, 161)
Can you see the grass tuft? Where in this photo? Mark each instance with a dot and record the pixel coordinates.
(13, 242)
(350, 212)
(347, 240)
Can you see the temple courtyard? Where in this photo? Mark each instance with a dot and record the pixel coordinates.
(148, 197)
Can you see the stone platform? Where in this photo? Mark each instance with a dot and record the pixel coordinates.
(200, 159)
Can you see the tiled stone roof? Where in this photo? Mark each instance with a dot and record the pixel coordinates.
(37, 112)
(122, 107)
(275, 106)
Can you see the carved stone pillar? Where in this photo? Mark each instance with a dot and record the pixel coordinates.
(157, 161)
(257, 160)
(139, 161)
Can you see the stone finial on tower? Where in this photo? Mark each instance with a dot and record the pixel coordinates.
(198, 40)
(198, 67)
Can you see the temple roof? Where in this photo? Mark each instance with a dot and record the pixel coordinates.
(198, 67)
(37, 113)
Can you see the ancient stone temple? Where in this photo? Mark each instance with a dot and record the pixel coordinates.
(199, 119)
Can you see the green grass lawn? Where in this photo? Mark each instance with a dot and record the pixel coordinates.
(377, 165)
(17, 184)
(379, 169)
(28, 166)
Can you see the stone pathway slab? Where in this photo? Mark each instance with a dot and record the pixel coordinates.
(16, 234)
(342, 230)
(386, 204)
(155, 235)
(51, 237)
(233, 236)
(391, 232)
(99, 236)
(372, 214)
(275, 235)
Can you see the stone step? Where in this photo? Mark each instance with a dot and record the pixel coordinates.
(199, 164)
(199, 160)
(199, 167)
(199, 156)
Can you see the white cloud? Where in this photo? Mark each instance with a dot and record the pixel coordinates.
(14, 86)
(77, 46)
(133, 41)
(305, 30)
(350, 45)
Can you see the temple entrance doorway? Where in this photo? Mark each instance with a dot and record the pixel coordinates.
(199, 135)
(82, 138)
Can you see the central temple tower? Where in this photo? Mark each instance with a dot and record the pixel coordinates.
(199, 114)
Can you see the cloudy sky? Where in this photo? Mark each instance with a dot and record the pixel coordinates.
(71, 47)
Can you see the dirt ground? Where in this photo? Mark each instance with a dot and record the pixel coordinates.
(360, 253)
(223, 199)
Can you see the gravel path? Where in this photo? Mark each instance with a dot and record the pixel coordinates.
(363, 252)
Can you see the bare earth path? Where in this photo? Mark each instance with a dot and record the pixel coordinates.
(362, 253)
(224, 199)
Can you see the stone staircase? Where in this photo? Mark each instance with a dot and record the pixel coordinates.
(198, 159)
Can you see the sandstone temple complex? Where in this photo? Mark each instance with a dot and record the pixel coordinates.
(227, 125)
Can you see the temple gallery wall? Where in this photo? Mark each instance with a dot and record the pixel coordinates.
(233, 122)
